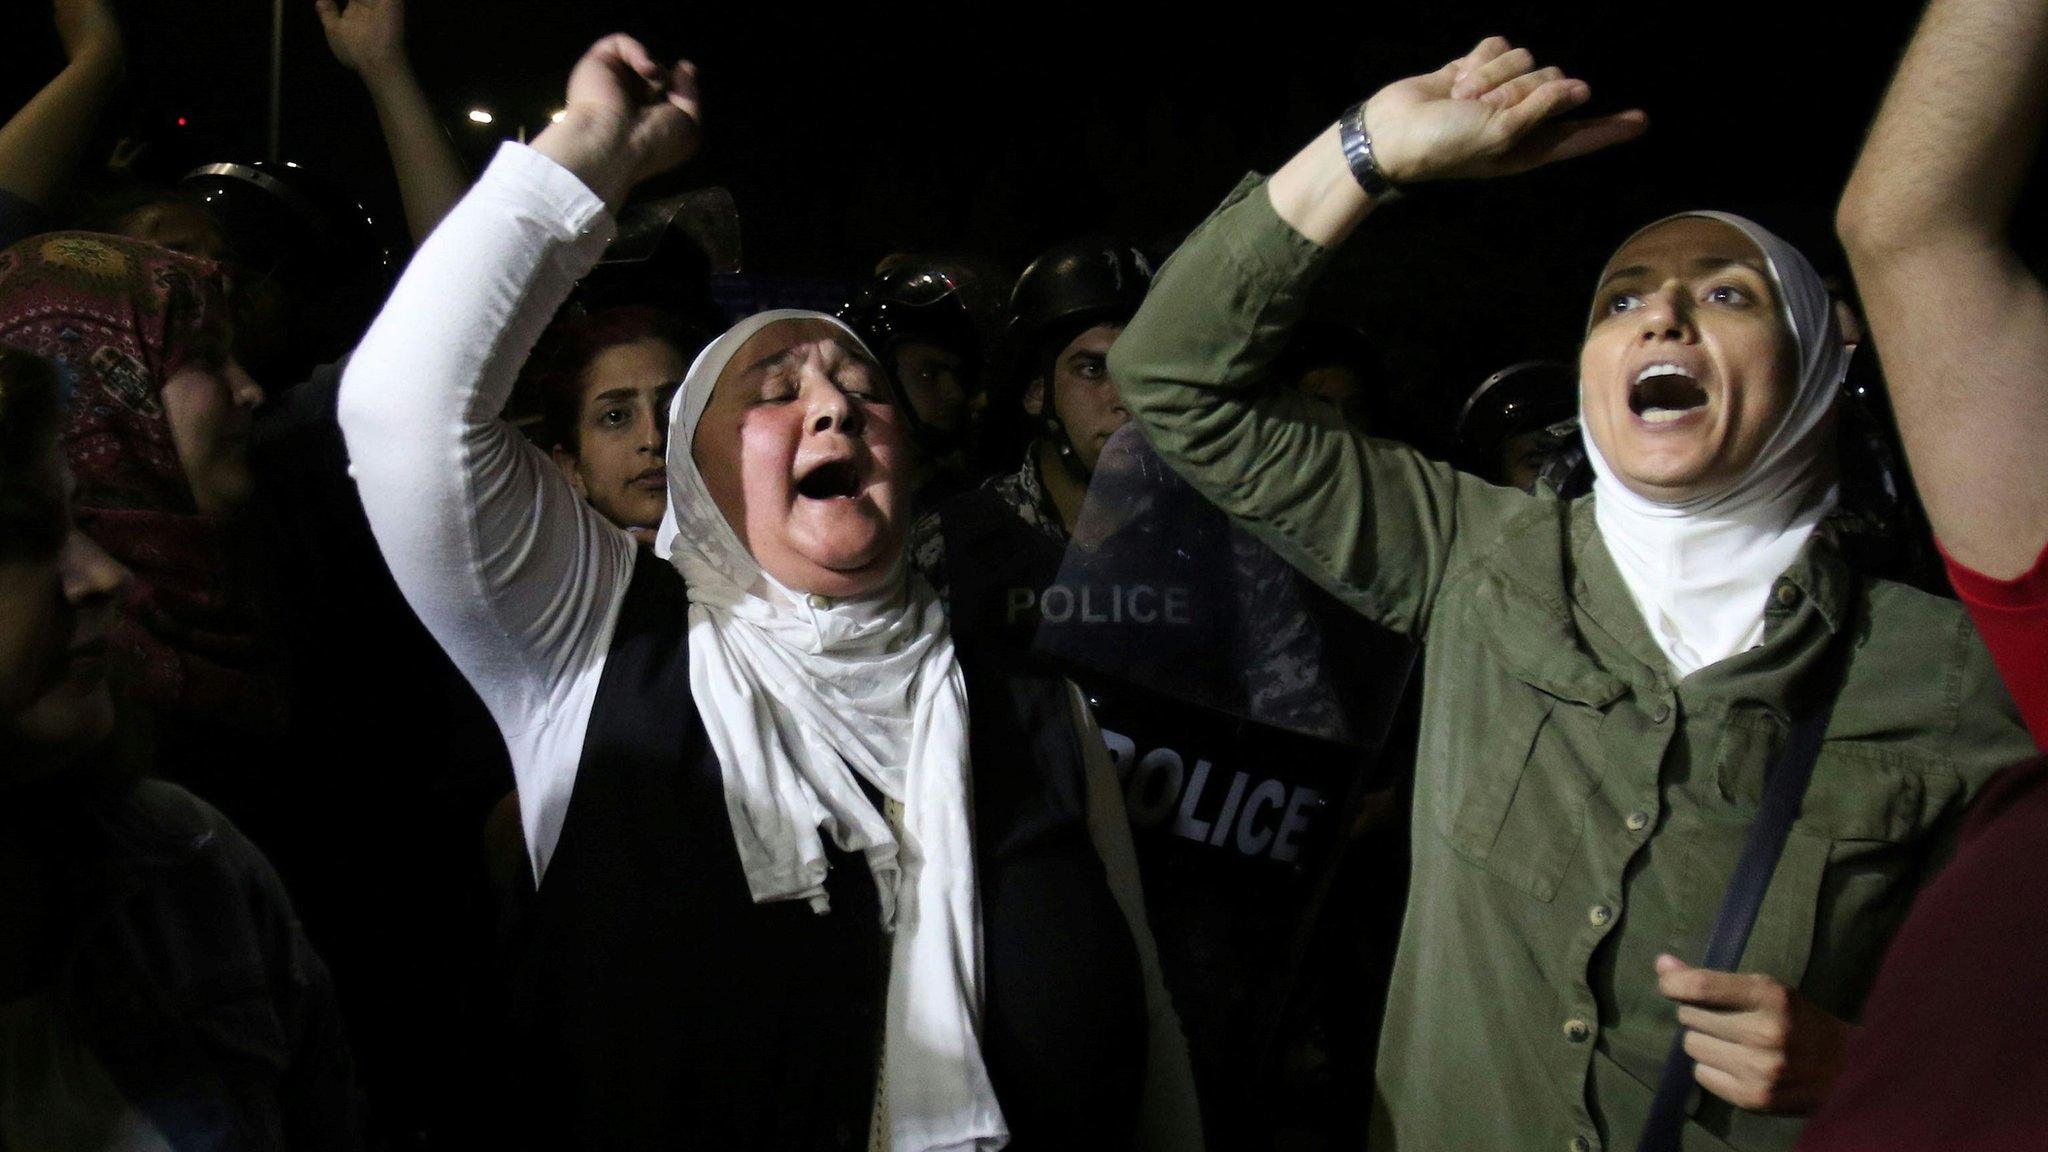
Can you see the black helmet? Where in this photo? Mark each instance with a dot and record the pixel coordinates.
(915, 303)
(1519, 398)
(284, 220)
(1533, 396)
(305, 242)
(1071, 286)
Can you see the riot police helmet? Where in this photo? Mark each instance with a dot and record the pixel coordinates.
(304, 250)
(1076, 285)
(1535, 402)
(1067, 290)
(915, 303)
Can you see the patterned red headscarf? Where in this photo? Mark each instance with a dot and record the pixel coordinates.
(121, 317)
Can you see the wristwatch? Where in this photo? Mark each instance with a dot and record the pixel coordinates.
(1357, 144)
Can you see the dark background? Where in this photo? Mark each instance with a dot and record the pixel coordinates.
(849, 132)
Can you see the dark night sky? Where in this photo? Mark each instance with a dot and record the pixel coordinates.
(848, 132)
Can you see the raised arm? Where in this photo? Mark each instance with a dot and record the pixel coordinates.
(368, 38)
(1961, 324)
(41, 144)
(1370, 520)
(512, 573)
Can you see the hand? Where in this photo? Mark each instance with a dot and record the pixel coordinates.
(1489, 113)
(86, 27)
(368, 36)
(626, 118)
(1759, 1045)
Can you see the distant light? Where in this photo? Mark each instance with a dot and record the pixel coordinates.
(479, 116)
(181, 121)
(291, 164)
(555, 117)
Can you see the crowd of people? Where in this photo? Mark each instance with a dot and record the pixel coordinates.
(503, 704)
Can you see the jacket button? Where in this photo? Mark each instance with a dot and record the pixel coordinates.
(1577, 1030)
(1637, 821)
(1580, 1144)
(1660, 713)
(1788, 594)
(1600, 914)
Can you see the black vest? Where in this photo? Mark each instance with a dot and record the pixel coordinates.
(657, 1006)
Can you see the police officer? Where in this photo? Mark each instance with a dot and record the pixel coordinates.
(914, 316)
(1057, 408)
(1522, 423)
(1186, 649)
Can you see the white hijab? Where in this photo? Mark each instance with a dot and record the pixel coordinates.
(797, 695)
(1701, 571)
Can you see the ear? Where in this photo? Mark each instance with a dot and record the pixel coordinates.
(1034, 396)
(570, 466)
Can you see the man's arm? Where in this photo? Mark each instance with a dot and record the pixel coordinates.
(40, 145)
(1961, 324)
(1370, 520)
(368, 37)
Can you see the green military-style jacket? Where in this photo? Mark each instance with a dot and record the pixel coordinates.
(1576, 811)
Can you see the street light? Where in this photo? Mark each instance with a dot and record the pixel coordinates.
(479, 116)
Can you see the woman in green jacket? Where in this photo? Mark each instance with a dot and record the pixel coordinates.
(1607, 679)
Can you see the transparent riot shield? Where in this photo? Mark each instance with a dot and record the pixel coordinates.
(1159, 591)
(1248, 711)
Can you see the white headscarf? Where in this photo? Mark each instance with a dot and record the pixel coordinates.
(1701, 570)
(799, 693)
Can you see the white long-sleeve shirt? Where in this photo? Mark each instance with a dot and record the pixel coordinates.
(516, 577)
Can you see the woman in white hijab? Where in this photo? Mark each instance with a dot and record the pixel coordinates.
(1607, 681)
(803, 879)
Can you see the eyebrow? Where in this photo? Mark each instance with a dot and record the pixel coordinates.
(611, 394)
(774, 360)
(1697, 266)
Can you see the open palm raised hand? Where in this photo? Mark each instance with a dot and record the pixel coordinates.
(1491, 112)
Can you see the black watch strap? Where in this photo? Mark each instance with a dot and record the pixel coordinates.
(1357, 144)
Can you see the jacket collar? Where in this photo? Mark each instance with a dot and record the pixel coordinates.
(1549, 561)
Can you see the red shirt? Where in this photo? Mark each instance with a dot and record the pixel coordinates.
(2012, 616)
(1953, 1053)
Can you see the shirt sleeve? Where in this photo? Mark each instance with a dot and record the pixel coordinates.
(513, 574)
(1371, 520)
(2012, 617)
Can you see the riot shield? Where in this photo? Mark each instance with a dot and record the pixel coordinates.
(1247, 710)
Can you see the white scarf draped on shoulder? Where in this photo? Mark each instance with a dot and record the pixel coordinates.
(1701, 571)
(798, 694)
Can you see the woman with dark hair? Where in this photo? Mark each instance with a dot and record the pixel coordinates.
(1613, 684)
(155, 989)
(786, 894)
(606, 378)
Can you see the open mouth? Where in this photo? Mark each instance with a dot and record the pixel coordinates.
(1663, 393)
(832, 480)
